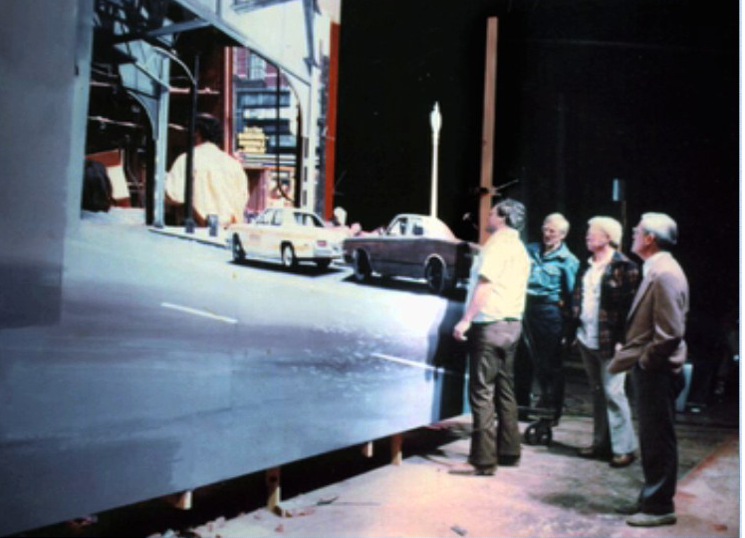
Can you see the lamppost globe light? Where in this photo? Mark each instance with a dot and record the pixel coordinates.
(435, 119)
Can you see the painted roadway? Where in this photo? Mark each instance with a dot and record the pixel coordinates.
(172, 368)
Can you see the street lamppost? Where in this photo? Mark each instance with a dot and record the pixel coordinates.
(435, 121)
(193, 76)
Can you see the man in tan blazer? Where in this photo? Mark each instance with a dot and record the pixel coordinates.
(655, 349)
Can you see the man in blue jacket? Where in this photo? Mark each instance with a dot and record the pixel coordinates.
(547, 316)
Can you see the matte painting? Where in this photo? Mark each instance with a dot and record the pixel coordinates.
(139, 360)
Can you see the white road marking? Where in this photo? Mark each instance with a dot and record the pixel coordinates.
(196, 312)
(415, 364)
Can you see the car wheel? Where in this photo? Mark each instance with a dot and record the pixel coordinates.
(362, 269)
(435, 276)
(239, 254)
(288, 257)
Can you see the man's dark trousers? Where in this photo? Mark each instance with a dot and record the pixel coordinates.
(544, 329)
(656, 392)
(491, 391)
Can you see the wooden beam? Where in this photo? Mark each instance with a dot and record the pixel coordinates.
(274, 495)
(367, 449)
(487, 139)
(397, 442)
(183, 501)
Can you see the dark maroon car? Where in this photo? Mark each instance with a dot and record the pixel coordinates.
(413, 246)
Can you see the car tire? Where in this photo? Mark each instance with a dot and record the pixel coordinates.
(436, 276)
(289, 260)
(239, 255)
(361, 264)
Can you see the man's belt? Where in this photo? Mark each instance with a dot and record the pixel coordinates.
(543, 299)
(490, 322)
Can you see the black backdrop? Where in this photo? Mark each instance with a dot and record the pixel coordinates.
(641, 90)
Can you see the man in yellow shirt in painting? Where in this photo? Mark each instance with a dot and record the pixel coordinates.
(220, 184)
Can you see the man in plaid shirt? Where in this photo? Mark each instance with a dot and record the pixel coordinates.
(602, 298)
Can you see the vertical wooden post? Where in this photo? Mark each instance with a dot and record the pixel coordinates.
(487, 139)
(274, 496)
(183, 501)
(397, 442)
(367, 449)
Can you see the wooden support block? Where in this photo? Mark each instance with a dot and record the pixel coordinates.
(367, 449)
(274, 496)
(397, 442)
(183, 501)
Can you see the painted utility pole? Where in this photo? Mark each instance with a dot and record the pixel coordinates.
(435, 120)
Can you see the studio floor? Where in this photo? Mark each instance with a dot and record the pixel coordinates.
(552, 493)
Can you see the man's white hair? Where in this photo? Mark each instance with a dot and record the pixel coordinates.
(610, 227)
(662, 227)
(562, 224)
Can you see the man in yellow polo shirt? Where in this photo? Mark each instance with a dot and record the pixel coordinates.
(491, 325)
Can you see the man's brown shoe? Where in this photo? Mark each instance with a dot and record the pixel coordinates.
(466, 469)
(622, 460)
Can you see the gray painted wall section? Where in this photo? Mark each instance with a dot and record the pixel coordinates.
(40, 148)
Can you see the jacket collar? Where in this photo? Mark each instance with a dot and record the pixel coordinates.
(650, 266)
(560, 253)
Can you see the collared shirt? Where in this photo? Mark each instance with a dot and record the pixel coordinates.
(618, 281)
(649, 262)
(588, 330)
(504, 262)
(552, 275)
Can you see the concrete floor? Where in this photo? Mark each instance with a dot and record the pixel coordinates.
(552, 493)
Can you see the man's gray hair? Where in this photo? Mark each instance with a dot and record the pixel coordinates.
(610, 227)
(562, 224)
(513, 212)
(662, 227)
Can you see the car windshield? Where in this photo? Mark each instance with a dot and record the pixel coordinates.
(308, 219)
(398, 227)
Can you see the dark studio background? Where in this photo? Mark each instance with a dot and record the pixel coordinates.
(641, 90)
